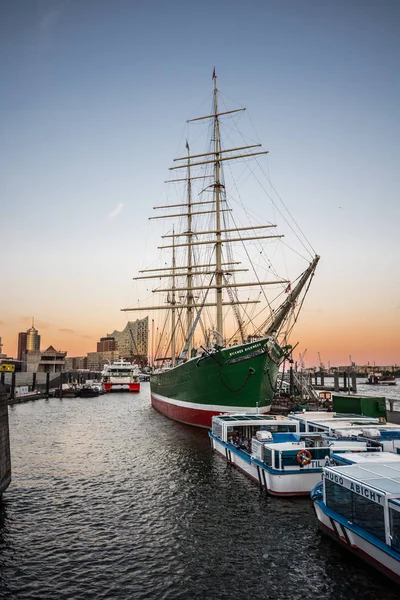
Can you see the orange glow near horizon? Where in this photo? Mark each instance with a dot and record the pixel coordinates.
(335, 339)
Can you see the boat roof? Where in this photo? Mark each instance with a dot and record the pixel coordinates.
(228, 422)
(367, 457)
(244, 417)
(253, 419)
(328, 417)
(335, 421)
(384, 478)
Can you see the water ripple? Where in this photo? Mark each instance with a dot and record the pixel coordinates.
(109, 499)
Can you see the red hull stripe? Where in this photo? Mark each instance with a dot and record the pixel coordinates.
(199, 415)
(190, 416)
(133, 387)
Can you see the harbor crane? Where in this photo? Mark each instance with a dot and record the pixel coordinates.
(301, 359)
(321, 364)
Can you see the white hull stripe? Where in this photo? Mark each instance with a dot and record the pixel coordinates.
(208, 407)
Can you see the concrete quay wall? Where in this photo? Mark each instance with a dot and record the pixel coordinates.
(22, 378)
(5, 454)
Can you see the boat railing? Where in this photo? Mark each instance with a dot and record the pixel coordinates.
(281, 459)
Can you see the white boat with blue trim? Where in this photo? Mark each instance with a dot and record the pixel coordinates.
(274, 452)
(358, 505)
(378, 435)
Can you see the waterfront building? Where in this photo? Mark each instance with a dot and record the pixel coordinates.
(10, 365)
(97, 360)
(76, 363)
(133, 340)
(49, 361)
(32, 340)
(22, 343)
(107, 344)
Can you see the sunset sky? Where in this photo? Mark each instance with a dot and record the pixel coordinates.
(95, 97)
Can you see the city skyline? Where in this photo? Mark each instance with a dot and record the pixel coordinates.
(298, 357)
(94, 111)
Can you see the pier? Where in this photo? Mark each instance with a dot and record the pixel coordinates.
(349, 382)
(23, 387)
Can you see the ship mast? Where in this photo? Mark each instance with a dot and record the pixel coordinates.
(217, 236)
(217, 188)
(189, 279)
(173, 302)
(290, 302)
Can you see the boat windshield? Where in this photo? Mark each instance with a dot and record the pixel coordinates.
(241, 435)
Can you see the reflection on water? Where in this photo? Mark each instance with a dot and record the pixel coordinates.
(109, 499)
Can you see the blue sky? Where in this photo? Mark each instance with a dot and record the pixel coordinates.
(95, 95)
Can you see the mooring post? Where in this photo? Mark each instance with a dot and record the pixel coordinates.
(12, 393)
(61, 384)
(2, 376)
(33, 381)
(47, 384)
(336, 384)
(291, 381)
(354, 383)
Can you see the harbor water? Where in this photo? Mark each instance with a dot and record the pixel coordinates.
(109, 499)
(390, 392)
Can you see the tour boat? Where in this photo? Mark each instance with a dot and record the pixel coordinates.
(378, 435)
(381, 379)
(92, 388)
(217, 352)
(358, 505)
(121, 376)
(273, 451)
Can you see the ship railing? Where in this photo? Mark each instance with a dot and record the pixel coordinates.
(282, 459)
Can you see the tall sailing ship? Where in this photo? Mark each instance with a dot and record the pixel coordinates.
(218, 352)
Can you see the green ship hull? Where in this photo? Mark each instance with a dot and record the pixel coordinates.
(235, 379)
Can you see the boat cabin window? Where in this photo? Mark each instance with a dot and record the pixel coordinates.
(394, 520)
(315, 429)
(241, 435)
(355, 508)
(268, 457)
(276, 428)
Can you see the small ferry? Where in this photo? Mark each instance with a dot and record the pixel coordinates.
(358, 505)
(121, 376)
(352, 458)
(381, 379)
(92, 388)
(274, 452)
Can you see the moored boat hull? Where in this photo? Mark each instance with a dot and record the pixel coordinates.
(356, 543)
(292, 483)
(236, 379)
(192, 414)
(122, 387)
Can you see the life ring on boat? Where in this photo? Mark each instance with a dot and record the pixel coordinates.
(304, 457)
